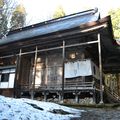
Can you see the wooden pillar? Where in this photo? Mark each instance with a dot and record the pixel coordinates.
(17, 75)
(118, 83)
(34, 75)
(46, 72)
(77, 98)
(59, 96)
(63, 69)
(32, 94)
(45, 95)
(100, 68)
(94, 97)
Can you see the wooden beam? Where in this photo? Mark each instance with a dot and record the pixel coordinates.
(55, 48)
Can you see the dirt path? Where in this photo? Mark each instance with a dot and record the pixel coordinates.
(100, 114)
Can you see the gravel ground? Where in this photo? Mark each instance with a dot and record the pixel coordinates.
(100, 114)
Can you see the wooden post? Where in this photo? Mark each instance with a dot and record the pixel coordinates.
(45, 95)
(17, 74)
(118, 83)
(34, 75)
(77, 97)
(63, 69)
(100, 68)
(46, 72)
(59, 96)
(94, 96)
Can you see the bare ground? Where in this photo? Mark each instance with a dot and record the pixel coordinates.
(100, 114)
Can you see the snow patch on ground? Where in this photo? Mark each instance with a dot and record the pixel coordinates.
(26, 109)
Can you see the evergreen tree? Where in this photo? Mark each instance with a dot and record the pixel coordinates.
(59, 12)
(18, 18)
(3, 18)
(12, 16)
(115, 16)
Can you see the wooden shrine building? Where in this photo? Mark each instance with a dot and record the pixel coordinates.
(63, 58)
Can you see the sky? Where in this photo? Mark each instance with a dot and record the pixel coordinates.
(42, 10)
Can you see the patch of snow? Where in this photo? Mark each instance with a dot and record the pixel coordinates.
(23, 109)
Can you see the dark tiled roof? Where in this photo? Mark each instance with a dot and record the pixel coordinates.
(51, 26)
